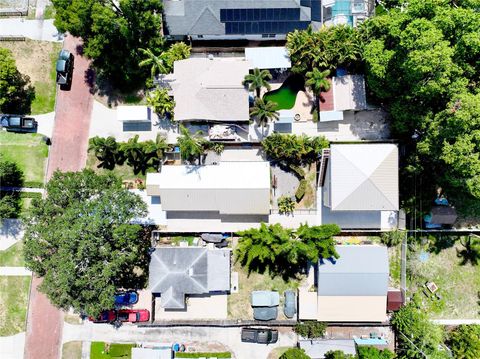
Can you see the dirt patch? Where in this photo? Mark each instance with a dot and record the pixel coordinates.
(41, 51)
(309, 200)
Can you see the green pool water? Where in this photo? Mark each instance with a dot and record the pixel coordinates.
(286, 95)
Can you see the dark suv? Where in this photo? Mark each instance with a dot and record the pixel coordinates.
(18, 123)
(64, 69)
(259, 335)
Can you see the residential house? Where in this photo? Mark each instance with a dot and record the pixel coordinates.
(209, 89)
(233, 20)
(222, 191)
(358, 186)
(202, 275)
(352, 288)
(345, 12)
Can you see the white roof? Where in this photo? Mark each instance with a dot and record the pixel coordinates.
(134, 113)
(268, 57)
(364, 177)
(229, 187)
(349, 93)
(210, 89)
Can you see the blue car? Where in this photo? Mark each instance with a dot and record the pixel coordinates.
(126, 298)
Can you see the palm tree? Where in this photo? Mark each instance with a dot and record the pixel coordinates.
(157, 63)
(264, 111)
(135, 155)
(154, 151)
(106, 150)
(257, 80)
(191, 146)
(161, 103)
(317, 81)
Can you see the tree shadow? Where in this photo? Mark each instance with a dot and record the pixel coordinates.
(470, 252)
(439, 243)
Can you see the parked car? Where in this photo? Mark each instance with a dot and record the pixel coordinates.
(126, 298)
(18, 123)
(265, 313)
(290, 306)
(133, 315)
(265, 298)
(259, 335)
(107, 316)
(64, 68)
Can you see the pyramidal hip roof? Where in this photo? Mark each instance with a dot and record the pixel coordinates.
(364, 177)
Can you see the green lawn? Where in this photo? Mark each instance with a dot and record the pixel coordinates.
(125, 172)
(239, 306)
(97, 351)
(72, 350)
(459, 285)
(13, 304)
(394, 259)
(41, 71)
(29, 152)
(13, 256)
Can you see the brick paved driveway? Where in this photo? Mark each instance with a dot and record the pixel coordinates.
(67, 153)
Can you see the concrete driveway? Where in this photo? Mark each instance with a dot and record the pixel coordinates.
(229, 337)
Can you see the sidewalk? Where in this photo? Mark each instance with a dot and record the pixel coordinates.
(14, 271)
(11, 347)
(33, 29)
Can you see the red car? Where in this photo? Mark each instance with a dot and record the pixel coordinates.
(133, 315)
(107, 316)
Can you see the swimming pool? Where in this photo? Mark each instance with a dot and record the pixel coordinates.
(286, 95)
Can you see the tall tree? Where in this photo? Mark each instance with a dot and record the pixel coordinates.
(318, 82)
(16, 93)
(258, 79)
(112, 33)
(264, 112)
(192, 146)
(319, 239)
(154, 151)
(135, 155)
(10, 201)
(156, 63)
(80, 241)
(161, 103)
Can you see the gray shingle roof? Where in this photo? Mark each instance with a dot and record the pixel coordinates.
(175, 272)
(360, 271)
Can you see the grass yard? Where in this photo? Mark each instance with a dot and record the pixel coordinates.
(97, 350)
(13, 304)
(72, 350)
(239, 303)
(125, 172)
(29, 152)
(13, 256)
(41, 71)
(394, 259)
(459, 285)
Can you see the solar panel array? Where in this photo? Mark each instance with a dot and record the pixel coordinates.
(262, 21)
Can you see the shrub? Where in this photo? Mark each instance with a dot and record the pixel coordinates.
(392, 238)
(298, 171)
(10, 174)
(286, 205)
(367, 352)
(216, 147)
(338, 354)
(310, 329)
(302, 187)
(294, 353)
(464, 342)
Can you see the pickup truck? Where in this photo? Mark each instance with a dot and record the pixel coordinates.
(259, 335)
(18, 123)
(64, 68)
